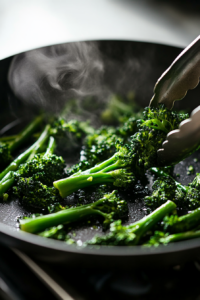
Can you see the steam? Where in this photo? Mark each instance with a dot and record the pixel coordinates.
(89, 72)
(49, 76)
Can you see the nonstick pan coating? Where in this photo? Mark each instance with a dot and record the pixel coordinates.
(147, 62)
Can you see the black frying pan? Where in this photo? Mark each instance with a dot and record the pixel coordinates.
(128, 66)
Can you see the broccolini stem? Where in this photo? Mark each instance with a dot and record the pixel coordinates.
(180, 236)
(146, 223)
(87, 129)
(71, 184)
(161, 173)
(98, 167)
(6, 182)
(65, 216)
(25, 134)
(51, 146)
(24, 156)
(112, 167)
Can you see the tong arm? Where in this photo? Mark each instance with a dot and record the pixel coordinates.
(182, 142)
(181, 76)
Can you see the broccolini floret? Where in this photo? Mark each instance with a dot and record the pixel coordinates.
(193, 193)
(153, 128)
(164, 190)
(45, 168)
(166, 187)
(163, 119)
(128, 128)
(34, 193)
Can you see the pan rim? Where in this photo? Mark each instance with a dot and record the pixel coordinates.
(131, 251)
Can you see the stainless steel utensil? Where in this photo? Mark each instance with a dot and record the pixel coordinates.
(182, 75)
(182, 142)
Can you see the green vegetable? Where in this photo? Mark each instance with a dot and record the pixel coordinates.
(43, 167)
(119, 178)
(109, 207)
(130, 235)
(165, 187)
(165, 238)
(186, 222)
(34, 193)
(33, 180)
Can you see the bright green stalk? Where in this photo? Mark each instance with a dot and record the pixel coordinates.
(67, 186)
(6, 182)
(71, 184)
(99, 167)
(65, 216)
(142, 226)
(50, 147)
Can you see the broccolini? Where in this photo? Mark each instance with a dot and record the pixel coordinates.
(130, 235)
(165, 187)
(109, 207)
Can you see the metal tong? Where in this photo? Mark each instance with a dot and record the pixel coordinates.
(182, 75)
